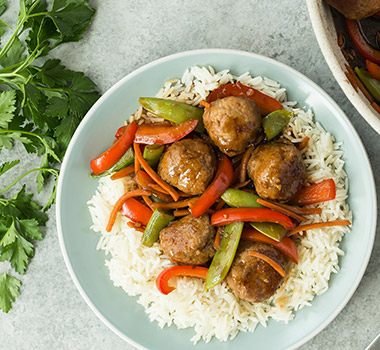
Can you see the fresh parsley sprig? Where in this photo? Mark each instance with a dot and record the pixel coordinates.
(40, 106)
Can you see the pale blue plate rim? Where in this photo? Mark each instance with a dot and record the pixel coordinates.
(178, 56)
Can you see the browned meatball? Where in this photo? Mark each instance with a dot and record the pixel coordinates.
(189, 240)
(356, 9)
(189, 165)
(251, 278)
(277, 170)
(232, 123)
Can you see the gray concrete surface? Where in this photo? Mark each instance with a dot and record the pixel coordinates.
(50, 313)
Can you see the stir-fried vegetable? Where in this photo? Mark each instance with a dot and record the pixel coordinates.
(373, 69)
(159, 134)
(270, 229)
(224, 256)
(240, 199)
(269, 261)
(119, 204)
(136, 211)
(230, 215)
(306, 227)
(126, 160)
(275, 122)
(265, 103)
(221, 182)
(130, 169)
(372, 84)
(110, 157)
(159, 220)
(174, 111)
(361, 44)
(286, 246)
(152, 154)
(162, 281)
(316, 193)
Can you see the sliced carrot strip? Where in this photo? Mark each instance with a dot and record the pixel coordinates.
(298, 210)
(303, 143)
(219, 232)
(175, 205)
(319, 225)
(244, 163)
(158, 188)
(268, 260)
(119, 204)
(285, 211)
(181, 212)
(123, 172)
(205, 104)
(153, 174)
(220, 205)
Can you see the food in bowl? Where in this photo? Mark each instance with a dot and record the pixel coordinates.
(208, 252)
(357, 29)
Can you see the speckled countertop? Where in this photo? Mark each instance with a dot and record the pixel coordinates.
(50, 313)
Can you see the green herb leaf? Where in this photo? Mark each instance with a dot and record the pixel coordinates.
(7, 107)
(8, 165)
(9, 291)
(16, 54)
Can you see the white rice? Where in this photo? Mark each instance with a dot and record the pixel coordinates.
(218, 312)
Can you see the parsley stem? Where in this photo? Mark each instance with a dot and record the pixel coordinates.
(38, 14)
(49, 170)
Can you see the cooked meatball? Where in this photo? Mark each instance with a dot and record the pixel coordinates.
(251, 278)
(356, 9)
(189, 165)
(277, 170)
(189, 240)
(232, 123)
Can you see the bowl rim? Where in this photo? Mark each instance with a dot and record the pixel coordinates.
(335, 59)
(179, 55)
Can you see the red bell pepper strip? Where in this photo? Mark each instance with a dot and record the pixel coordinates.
(265, 103)
(120, 131)
(229, 215)
(286, 246)
(361, 44)
(105, 161)
(161, 134)
(162, 281)
(218, 186)
(373, 69)
(316, 193)
(136, 211)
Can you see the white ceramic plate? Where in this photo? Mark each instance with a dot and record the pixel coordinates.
(112, 305)
(324, 29)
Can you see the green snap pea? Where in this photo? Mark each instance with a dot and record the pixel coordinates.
(240, 199)
(372, 84)
(225, 254)
(127, 159)
(270, 229)
(152, 154)
(174, 111)
(159, 220)
(275, 122)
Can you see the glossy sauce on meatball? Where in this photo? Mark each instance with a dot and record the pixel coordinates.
(232, 123)
(252, 279)
(189, 165)
(189, 240)
(277, 170)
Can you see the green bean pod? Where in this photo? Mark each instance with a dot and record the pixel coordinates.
(174, 111)
(159, 220)
(225, 254)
